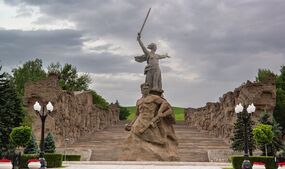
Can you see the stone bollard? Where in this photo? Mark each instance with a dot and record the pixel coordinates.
(258, 165)
(34, 164)
(281, 165)
(6, 164)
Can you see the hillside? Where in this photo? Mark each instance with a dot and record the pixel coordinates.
(179, 113)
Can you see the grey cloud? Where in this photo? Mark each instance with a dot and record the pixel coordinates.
(102, 47)
(16, 47)
(106, 63)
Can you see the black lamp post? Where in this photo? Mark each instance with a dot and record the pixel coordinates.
(245, 117)
(43, 115)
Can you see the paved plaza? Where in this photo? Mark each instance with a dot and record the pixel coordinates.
(144, 165)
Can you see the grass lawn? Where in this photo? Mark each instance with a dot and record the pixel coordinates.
(179, 113)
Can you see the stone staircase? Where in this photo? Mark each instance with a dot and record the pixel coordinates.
(193, 144)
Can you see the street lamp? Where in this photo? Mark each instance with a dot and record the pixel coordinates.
(245, 117)
(43, 114)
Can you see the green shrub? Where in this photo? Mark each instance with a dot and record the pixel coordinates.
(49, 144)
(32, 146)
(53, 160)
(72, 158)
(20, 136)
(269, 161)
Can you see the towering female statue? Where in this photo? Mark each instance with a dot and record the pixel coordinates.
(152, 70)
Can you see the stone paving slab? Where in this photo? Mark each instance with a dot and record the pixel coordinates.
(142, 165)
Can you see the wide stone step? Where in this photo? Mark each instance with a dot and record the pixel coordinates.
(193, 144)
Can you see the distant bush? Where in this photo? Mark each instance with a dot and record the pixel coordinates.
(124, 112)
(99, 100)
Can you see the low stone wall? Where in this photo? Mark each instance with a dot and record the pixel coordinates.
(74, 113)
(219, 118)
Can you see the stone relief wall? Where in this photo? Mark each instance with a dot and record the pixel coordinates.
(219, 118)
(74, 114)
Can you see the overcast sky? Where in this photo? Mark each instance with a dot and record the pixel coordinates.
(215, 45)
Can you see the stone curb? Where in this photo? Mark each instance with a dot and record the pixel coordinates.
(158, 163)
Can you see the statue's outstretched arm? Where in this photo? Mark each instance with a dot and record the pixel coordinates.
(142, 45)
(163, 56)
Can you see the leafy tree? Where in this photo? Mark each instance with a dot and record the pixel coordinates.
(263, 135)
(238, 137)
(263, 74)
(276, 144)
(32, 146)
(280, 82)
(49, 145)
(54, 68)
(69, 78)
(30, 71)
(124, 112)
(99, 100)
(11, 112)
(20, 136)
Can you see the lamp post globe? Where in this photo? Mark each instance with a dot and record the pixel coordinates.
(49, 107)
(37, 106)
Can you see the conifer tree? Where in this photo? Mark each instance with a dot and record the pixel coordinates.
(32, 146)
(49, 145)
(11, 113)
(279, 111)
